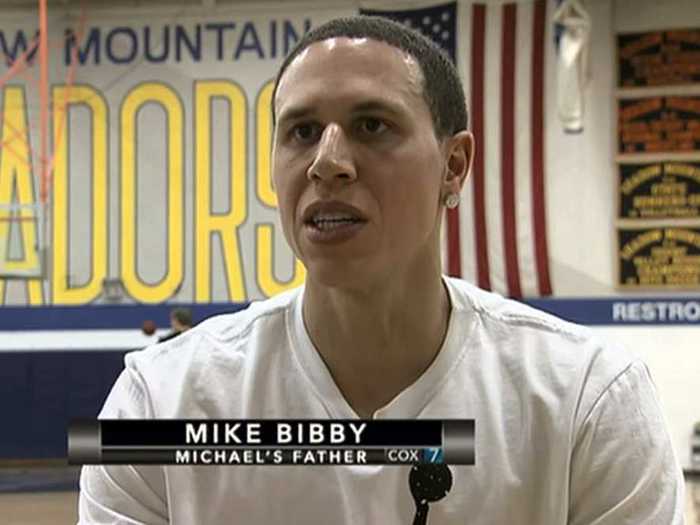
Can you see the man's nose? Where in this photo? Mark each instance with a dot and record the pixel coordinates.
(333, 160)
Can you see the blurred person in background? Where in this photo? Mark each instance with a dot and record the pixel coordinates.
(180, 321)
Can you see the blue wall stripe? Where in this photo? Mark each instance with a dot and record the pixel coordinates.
(589, 311)
(102, 316)
(624, 311)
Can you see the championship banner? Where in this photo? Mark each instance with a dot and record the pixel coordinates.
(658, 58)
(659, 190)
(659, 257)
(659, 125)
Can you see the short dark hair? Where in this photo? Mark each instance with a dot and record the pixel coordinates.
(442, 88)
(182, 316)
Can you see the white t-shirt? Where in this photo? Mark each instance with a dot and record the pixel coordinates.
(568, 428)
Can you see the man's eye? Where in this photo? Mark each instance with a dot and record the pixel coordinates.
(305, 132)
(372, 126)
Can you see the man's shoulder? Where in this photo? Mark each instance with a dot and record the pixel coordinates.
(500, 313)
(235, 325)
(228, 332)
(199, 372)
(524, 336)
(568, 367)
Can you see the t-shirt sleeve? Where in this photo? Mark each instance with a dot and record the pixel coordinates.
(123, 494)
(624, 470)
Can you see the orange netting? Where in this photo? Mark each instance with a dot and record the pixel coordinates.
(20, 66)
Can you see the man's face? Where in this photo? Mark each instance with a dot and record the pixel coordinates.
(356, 163)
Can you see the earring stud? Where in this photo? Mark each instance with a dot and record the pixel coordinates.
(452, 200)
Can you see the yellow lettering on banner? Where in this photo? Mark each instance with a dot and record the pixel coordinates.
(62, 292)
(266, 192)
(224, 224)
(168, 99)
(16, 171)
(269, 285)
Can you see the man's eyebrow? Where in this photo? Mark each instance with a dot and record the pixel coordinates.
(295, 113)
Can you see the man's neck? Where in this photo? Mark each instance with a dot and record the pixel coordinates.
(377, 341)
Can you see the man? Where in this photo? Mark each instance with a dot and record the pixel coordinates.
(370, 145)
(180, 321)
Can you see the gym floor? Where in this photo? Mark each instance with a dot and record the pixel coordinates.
(39, 508)
(38, 493)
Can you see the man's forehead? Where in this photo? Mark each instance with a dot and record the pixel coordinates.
(340, 46)
(340, 58)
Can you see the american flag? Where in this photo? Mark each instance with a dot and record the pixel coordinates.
(497, 237)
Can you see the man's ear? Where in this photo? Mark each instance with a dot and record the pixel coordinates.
(460, 158)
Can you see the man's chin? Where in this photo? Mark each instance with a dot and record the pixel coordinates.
(344, 273)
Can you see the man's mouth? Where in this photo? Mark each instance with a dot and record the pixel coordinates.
(332, 221)
(328, 221)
